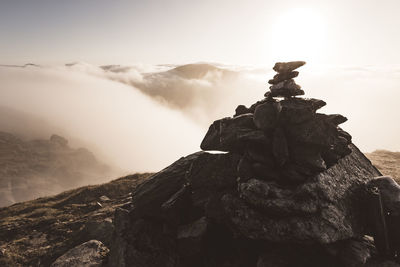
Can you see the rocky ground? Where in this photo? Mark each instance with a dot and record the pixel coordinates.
(33, 168)
(37, 232)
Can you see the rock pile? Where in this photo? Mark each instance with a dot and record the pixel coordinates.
(283, 83)
(281, 140)
(288, 192)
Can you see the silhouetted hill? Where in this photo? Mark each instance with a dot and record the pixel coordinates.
(35, 168)
(197, 71)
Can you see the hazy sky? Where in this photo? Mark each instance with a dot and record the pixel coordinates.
(248, 32)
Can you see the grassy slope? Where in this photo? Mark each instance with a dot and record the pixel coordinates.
(46, 228)
(387, 162)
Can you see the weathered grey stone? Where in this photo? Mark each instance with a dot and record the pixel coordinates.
(230, 134)
(390, 192)
(283, 76)
(287, 84)
(337, 119)
(335, 193)
(261, 155)
(88, 254)
(98, 230)
(190, 239)
(286, 88)
(240, 110)
(284, 67)
(280, 147)
(298, 110)
(352, 252)
(309, 157)
(178, 208)
(152, 193)
(266, 116)
(275, 200)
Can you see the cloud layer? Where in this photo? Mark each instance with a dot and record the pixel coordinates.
(125, 127)
(143, 117)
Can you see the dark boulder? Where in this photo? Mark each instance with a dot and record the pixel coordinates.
(240, 110)
(280, 147)
(233, 134)
(266, 116)
(298, 110)
(333, 192)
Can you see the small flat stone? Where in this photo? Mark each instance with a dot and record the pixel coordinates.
(284, 67)
(287, 84)
(286, 88)
(280, 77)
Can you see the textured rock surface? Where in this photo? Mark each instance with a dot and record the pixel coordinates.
(321, 210)
(88, 254)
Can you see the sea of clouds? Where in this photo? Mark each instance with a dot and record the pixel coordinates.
(143, 117)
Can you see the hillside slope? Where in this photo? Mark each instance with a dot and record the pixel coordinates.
(36, 168)
(36, 232)
(387, 162)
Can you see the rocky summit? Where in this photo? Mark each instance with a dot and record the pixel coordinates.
(288, 188)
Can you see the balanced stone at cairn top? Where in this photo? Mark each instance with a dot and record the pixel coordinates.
(283, 84)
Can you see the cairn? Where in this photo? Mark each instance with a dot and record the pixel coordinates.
(281, 139)
(283, 84)
(286, 193)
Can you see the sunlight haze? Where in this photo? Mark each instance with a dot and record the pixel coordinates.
(242, 32)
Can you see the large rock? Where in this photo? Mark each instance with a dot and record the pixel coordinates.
(233, 134)
(203, 188)
(325, 209)
(89, 254)
(266, 115)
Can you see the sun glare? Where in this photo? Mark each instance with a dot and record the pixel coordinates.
(298, 34)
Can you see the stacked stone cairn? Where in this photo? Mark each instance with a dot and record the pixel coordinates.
(288, 193)
(284, 140)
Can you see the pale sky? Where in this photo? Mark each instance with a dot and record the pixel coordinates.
(245, 32)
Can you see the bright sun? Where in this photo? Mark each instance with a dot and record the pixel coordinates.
(298, 34)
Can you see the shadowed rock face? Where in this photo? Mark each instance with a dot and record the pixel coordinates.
(291, 180)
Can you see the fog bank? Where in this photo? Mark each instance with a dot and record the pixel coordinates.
(121, 125)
